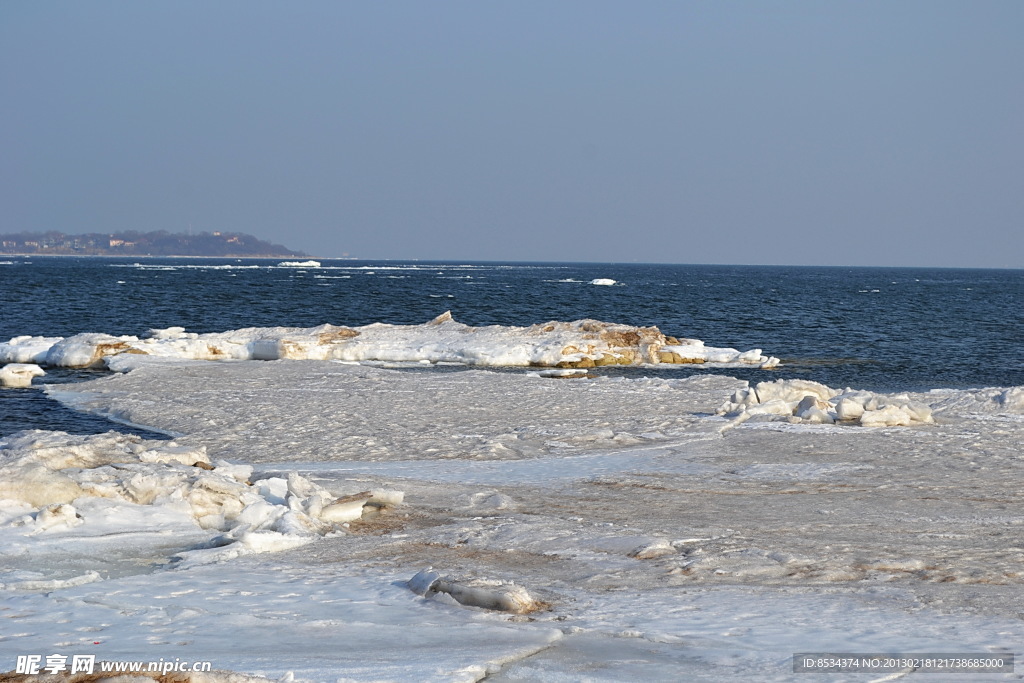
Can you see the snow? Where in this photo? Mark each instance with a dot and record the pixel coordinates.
(580, 343)
(640, 537)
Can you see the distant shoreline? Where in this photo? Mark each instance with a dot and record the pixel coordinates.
(134, 244)
(235, 256)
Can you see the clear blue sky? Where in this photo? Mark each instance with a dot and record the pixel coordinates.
(833, 133)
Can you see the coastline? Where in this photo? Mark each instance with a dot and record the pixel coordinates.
(151, 256)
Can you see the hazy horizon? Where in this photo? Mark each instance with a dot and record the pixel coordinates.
(800, 133)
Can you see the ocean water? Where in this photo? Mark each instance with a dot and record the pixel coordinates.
(880, 329)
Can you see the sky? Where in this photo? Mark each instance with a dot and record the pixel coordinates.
(799, 133)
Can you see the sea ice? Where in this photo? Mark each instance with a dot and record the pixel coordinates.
(26, 349)
(662, 547)
(1012, 399)
(577, 344)
(88, 350)
(814, 403)
(694, 351)
(63, 475)
(497, 595)
(19, 375)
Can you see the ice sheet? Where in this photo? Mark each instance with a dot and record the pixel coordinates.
(317, 621)
(664, 545)
(549, 471)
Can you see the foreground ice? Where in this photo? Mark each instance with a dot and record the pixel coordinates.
(659, 545)
(291, 617)
(58, 485)
(582, 344)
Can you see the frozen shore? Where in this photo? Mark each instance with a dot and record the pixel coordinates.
(660, 535)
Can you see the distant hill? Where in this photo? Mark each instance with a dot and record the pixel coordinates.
(134, 243)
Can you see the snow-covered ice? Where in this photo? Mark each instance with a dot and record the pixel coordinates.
(19, 375)
(805, 401)
(581, 343)
(648, 539)
(26, 349)
(88, 483)
(504, 596)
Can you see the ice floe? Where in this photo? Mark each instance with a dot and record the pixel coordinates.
(797, 401)
(27, 349)
(577, 344)
(19, 375)
(694, 351)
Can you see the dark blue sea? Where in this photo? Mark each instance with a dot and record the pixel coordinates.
(881, 329)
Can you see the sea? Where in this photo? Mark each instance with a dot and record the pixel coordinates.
(879, 329)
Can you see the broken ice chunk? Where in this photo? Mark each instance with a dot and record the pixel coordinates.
(503, 596)
(345, 509)
(19, 375)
